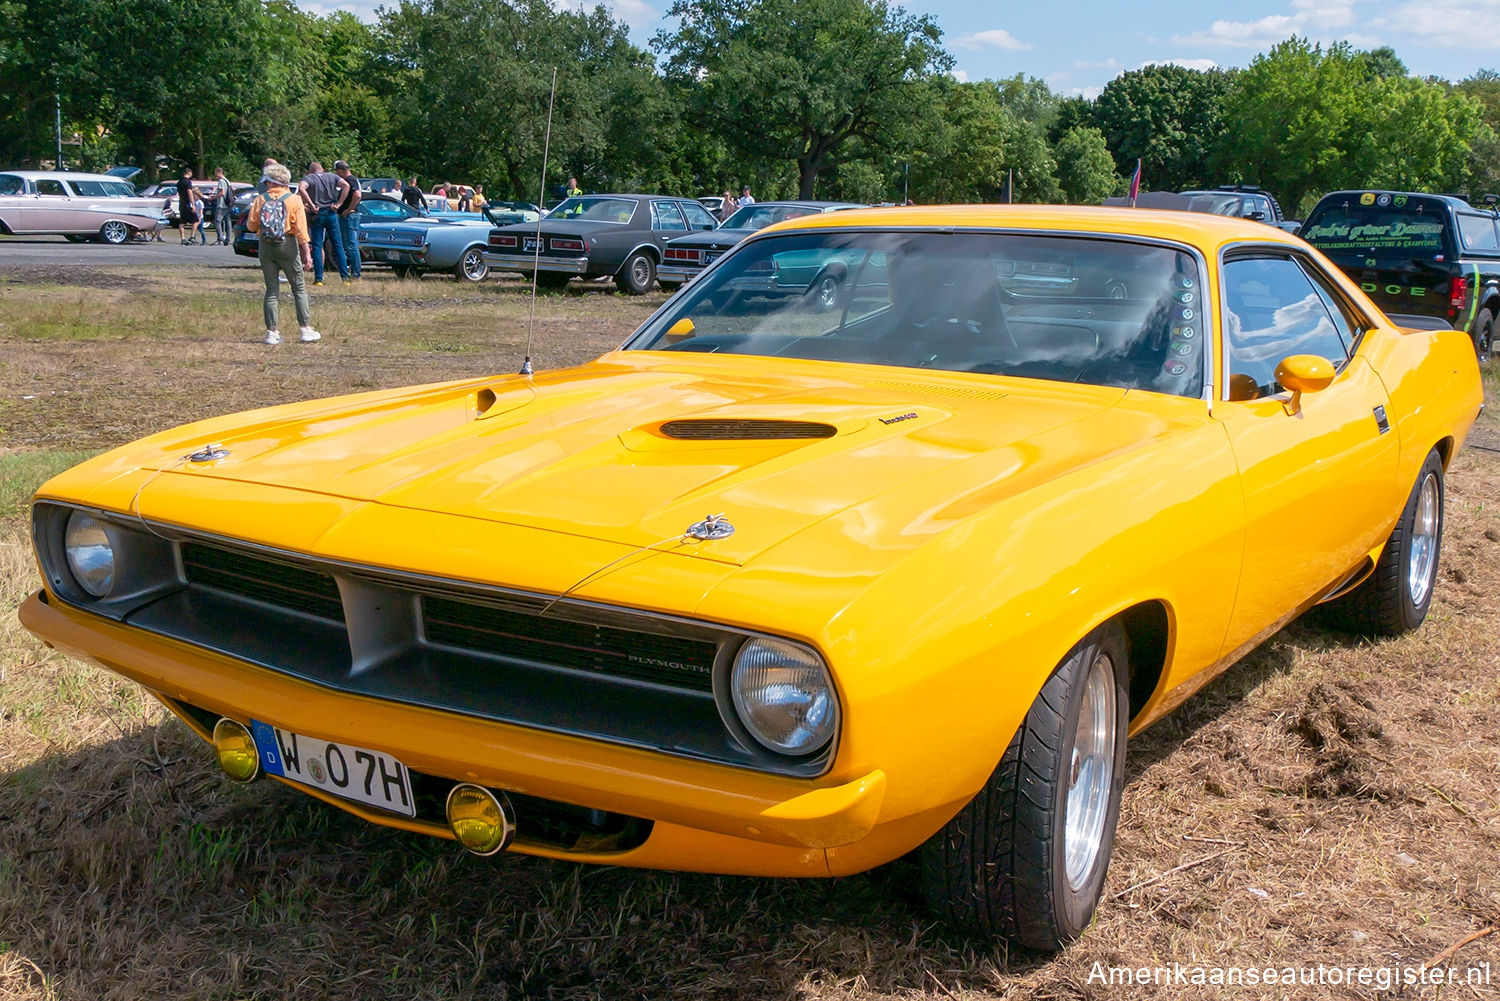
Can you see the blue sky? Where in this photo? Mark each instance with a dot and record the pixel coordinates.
(1079, 47)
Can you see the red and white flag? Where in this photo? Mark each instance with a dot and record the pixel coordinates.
(1135, 183)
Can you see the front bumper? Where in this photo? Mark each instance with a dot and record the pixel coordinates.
(526, 262)
(706, 817)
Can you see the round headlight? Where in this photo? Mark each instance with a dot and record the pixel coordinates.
(784, 696)
(90, 556)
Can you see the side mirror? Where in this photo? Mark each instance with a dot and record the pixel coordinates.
(1304, 374)
(1258, 216)
(679, 331)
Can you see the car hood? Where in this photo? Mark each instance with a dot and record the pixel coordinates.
(584, 452)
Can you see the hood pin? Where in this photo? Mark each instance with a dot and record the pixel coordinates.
(714, 527)
(208, 453)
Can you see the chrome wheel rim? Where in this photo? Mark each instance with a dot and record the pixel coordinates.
(828, 292)
(474, 267)
(1422, 559)
(115, 232)
(640, 272)
(1091, 774)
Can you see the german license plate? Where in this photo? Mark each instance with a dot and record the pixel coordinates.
(711, 256)
(531, 243)
(390, 255)
(343, 770)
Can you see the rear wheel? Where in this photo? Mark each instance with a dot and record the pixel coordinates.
(1026, 859)
(638, 274)
(1395, 598)
(115, 232)
(1483, 333)
(471, 266)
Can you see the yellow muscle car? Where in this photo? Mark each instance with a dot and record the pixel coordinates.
(793, 585)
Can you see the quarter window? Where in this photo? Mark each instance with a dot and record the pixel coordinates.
(1272, 310)
(698, 217)
(51, 188)
(1478, 233)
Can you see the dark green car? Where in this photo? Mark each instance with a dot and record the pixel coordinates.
(1424, 257)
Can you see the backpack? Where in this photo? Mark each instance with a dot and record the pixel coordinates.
(273, 218)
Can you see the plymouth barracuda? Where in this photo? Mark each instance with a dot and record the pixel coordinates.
(784, 591)
(597, 236)
(420, 246)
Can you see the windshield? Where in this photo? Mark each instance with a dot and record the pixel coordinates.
(761, 216)
(595, 209)
(1406, 228)
(1091, 310)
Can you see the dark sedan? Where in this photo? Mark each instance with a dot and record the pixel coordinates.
(596, 236)
(686, 256)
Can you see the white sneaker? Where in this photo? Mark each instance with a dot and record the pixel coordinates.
(309, 335)
(273, 337)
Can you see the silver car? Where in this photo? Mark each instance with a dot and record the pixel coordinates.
(78, 206)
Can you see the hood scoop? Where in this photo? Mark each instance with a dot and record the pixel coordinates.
(733, 429)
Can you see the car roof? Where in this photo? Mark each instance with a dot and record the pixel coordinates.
(1193, 228)
(1450, 200)
(805, 204)
(77, 175)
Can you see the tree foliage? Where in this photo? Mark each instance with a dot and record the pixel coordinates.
(1170, 118)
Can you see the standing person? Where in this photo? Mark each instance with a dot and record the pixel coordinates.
(281, 220)
(260, 186)
(349, 218)
(728, 206)
(465, 198)
(745, 197)
(187, 200)
(412, 195)
(322, 192)
(223, 196)
(573, 189)
(479, 200)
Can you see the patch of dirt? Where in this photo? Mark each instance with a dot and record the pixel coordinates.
(1341, 728)
(72, 275)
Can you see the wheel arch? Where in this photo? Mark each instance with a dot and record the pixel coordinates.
(648, 247)
(1444, 449)
(1148, 635)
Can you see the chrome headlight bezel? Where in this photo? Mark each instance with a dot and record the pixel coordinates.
(145, 564)
(89, 553)
(805, 721)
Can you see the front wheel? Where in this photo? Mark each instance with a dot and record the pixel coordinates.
(1025, 859)
(114, 232)
(1483, 333)
(471, 266)
(1395, 598)
(638, 274)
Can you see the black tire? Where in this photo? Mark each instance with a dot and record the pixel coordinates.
(1395, 598)
(471, 267)
(552, 281)
(1001, 867)
(1483, 334)
(114, 232)
(76, 238)
(401, 271)
(637, 275)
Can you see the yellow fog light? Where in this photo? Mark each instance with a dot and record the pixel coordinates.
(236, 751)
(482, 822)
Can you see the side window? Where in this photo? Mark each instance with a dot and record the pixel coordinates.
(666, 216)
(1478, 233)
(1272, 310)
(49, 187)
(698, 217)
(10, 184)
(1345, 323)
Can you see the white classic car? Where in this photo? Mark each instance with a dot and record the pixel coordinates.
(76, 205)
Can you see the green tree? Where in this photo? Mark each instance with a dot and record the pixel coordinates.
(1169, 117)
(802, 80)
(1085, 168)
(975, 145)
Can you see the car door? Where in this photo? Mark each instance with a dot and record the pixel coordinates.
(666, 223)
(697, 216)
(51, 211)
(1319, 483)
(13, 199)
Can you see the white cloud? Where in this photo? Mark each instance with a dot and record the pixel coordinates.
(995, 38)
(1446, 24)
(1108, 64)
(1087, 93)
(1312, 18)
(636, 13)
(1191, 64)
(962, 76)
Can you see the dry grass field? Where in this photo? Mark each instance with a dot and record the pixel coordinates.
(1327, 801)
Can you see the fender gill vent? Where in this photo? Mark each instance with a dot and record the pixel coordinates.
(709, 429)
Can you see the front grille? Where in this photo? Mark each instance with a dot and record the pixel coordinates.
(583, 646)
(718, 429)
(272, 582)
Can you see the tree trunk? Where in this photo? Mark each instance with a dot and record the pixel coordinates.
(808, 165)
(202, 173)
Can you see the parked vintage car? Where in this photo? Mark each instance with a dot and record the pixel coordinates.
(418, 246)
(372, 209)
(596, 236)
(76, 205)
(780, 592)
(685, 257)
(165, 192)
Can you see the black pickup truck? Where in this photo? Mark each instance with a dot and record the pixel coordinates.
(1432, 258)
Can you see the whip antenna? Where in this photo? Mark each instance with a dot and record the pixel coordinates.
(541, 202)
